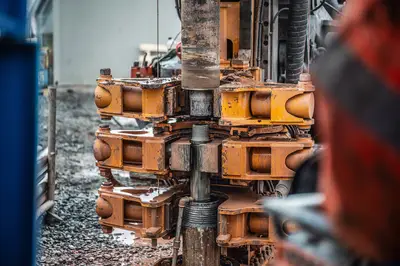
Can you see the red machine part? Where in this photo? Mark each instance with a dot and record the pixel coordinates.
(179, 50)
(360, 122)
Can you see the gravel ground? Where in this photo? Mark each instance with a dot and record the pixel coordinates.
(78, 239)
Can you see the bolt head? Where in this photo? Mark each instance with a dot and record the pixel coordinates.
(305, 77)
(104, 126)
(105, 71)
(106, 229)
(107, 185)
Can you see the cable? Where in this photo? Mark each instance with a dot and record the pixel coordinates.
(259, 31)
(319, 6)
(333, 8)
(158, 36)
(273, 190)
(176, 37)
(178, 8)
(278, 13)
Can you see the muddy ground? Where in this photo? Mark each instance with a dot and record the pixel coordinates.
(78, 239)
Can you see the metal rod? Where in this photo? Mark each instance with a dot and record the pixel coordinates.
(258, 33)
(270, 31)
(177, 240)
(44, 208)
(158, 38)
(200, 181)
(200, 218)
(52, 95)
(223, 230)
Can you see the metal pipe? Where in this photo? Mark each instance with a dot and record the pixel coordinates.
(200, 233)
(177, 240)
(52, 95)
(259, 31)
(44, 207)
(35, 9)
(200, 53)
(200, 44)
(283, 187)
(200, 181)
(200, 217)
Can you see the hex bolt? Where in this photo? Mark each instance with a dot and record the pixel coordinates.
(105, 71)
(106, 229)
(305, 77)
(105, 117)
(104, 127)
(107, 174)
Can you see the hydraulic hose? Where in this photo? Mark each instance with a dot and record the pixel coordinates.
(177, 240)
(178, 8)
(297, 35)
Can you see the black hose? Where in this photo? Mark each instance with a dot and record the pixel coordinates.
(277, 14)
(319, 6)
(178, 8)
(260, 31)
(297, 35)
(333, 8)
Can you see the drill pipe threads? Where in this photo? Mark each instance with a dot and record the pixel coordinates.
(201, 214)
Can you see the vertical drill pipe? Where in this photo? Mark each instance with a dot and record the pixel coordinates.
(200, 44)
(296, 43)
(200, 218)
(52, 143)
(200, 181)
(200, 247)
(200, 52)
(200, 233)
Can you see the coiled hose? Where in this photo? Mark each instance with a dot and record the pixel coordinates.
(296, 43)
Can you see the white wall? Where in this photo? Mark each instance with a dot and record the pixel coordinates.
(94, 34)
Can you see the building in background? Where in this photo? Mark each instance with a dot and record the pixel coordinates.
(86, 35)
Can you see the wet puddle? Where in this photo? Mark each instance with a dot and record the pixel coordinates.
(123, 236)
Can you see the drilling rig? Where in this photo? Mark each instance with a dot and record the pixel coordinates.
(229, 131)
